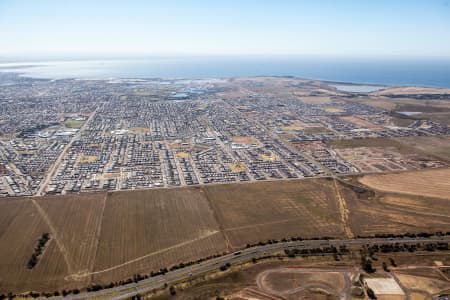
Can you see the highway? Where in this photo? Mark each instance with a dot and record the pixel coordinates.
(147, 285)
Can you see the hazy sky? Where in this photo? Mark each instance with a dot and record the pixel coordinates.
(335, 27)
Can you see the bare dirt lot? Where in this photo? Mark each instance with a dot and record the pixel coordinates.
(378, 159)
(436, 147)
(290, 280)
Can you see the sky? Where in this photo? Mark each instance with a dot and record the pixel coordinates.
(396, 28)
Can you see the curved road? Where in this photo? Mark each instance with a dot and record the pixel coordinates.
(147, 285)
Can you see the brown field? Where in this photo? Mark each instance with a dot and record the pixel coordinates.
(419, 296)
(436, 147)
(387, 104)
(393, 213)
(104, 237)
(443, 118)
(316, 129)
(431, 183)
(244, 140)
(285, 280)
(76, 221)
(158, 229)
(238, 167)
(20, 229)
(382, 159)
(314, 100)
(292, 128)
(272, 210)
(269, 157)
(411, 90)
(83, 159)
(359, 122)
(183, 154)
(333, 109)
(305, 125)
(428, 285)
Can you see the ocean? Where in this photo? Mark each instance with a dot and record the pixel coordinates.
(423, 72)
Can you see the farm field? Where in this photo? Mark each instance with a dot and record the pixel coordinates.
(383, 212)
(428, 183)
(104, 237)
(149, 230)
(75, 225)
(249, 213)
(21, 227)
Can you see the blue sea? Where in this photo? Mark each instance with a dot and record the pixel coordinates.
(421, 72)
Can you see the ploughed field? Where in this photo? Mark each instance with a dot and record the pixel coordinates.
(106, 237)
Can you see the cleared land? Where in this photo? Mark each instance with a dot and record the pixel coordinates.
(359, 122)
(428, 285)
(104, 237)
(290, 281)
(436, 147)
(149, 230)
(21, 228)
(431, 183)
(378, 159)
(382, 212)
(249, 213)
(410, 90)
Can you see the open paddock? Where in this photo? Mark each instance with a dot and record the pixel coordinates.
(106, 237)
(148, 230)
(360, 122)
(428, 183)
(249, 213)
(394, 213)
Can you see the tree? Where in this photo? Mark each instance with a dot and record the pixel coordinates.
(371, 294)
(392, 261)
(367, 265)
(172, 290)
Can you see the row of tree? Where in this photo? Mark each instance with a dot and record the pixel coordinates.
(385, 248)
(38, 250)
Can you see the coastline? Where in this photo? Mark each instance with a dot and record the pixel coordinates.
(371, 73)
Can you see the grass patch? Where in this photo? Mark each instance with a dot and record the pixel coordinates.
(74, 124)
